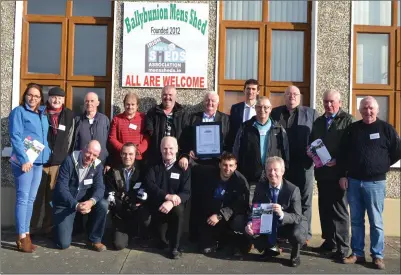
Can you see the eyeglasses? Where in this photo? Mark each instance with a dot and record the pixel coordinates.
(294, 95)
(266, 108)
(33, 96)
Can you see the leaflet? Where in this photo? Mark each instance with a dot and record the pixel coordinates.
(320, 154)
(262, 218)
(32, 149)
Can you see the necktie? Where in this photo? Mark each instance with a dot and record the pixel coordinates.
(329, 120)
(126, 180)
(273, 235)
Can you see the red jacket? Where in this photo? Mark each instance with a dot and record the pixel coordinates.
(121, 133)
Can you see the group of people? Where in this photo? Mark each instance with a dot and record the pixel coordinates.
(145, 171)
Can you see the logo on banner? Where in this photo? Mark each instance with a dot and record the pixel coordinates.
(164, 56)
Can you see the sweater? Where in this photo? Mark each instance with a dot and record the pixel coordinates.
(368, 150)
(121, 132)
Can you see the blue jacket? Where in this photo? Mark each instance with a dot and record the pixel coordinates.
(68, 191)
(24, 122)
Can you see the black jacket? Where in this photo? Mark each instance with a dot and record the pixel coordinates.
(331, 139)
(60, 144)
(188, 135)
(159, 182)
(299, 135)
(236, 118)
(115, 182)
(247, 148)
(155, 125)
(289, 198)
(236, 195)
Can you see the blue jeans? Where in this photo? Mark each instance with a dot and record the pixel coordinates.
(63, 220)
(26, 186)
(367, 196)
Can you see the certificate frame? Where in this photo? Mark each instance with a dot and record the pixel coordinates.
(209, 146)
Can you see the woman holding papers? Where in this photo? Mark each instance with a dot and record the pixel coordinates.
(28, 128)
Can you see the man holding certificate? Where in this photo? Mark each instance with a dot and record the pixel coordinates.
(286, 219)
(204, 140)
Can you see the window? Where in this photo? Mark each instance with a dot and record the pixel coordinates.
(265, 40)
(69, 44)
(376, 70)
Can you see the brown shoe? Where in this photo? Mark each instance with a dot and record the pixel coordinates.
(24, 245)
(379, 263)
(99, 247)
(33, 247)
(354, 259)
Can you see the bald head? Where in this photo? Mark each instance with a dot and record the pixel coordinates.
(292, 97)
(91, 152)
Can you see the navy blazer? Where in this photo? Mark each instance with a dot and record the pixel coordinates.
(236, 117)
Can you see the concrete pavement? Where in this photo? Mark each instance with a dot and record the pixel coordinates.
(78, 259)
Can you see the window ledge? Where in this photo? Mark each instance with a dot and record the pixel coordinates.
(396, 165)
(6, 153)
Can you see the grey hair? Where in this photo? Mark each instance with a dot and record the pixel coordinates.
(261, 98)
(332, 92)
(167, 87)
(212, 93)
(275, 159)
(371, 99)
(167, 138)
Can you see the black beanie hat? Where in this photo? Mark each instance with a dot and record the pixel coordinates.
(56, 91)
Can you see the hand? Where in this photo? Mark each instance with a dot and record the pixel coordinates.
(213, 220)
(277, 209)
(166, 207)
(343, 183)
(82, 208)
(331, 163)
(308, 152)
(183, 163)
(86, 206)
(248, 229)
(26, 167)
(106, 168)
(192, 154)
(175, 199)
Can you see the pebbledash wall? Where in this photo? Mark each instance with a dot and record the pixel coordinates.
(330, 68)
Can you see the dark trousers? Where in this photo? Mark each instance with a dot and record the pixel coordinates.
(170, 226)
(199, 174)
(63, 220)
(231, 231)
(334, 217)
(129, 224)
(295, 233)
(303, 178)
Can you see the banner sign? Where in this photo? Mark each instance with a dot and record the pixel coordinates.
(165, 44)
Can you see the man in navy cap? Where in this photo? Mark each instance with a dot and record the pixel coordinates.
(60, 137)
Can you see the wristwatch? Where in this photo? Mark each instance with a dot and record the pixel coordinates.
(219, 217)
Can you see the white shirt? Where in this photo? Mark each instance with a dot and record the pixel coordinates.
(249, 112)
(207, 118)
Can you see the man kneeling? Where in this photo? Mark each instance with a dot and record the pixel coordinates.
(79, 188)
(127, 199)
(169, 188)
(226, 207)
(288, 221)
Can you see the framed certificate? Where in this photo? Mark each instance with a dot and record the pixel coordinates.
(208, 140)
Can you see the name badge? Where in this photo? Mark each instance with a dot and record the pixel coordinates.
(132, 126)
(374, 136)
(175, 176)
(61, 127)
(262, 132)
(137, 185)
(88, 181)
(223, 191)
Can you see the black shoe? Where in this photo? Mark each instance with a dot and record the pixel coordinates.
(325, 247)
(295, 261)
(338, 256)
(273, 251)
(175, 254)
